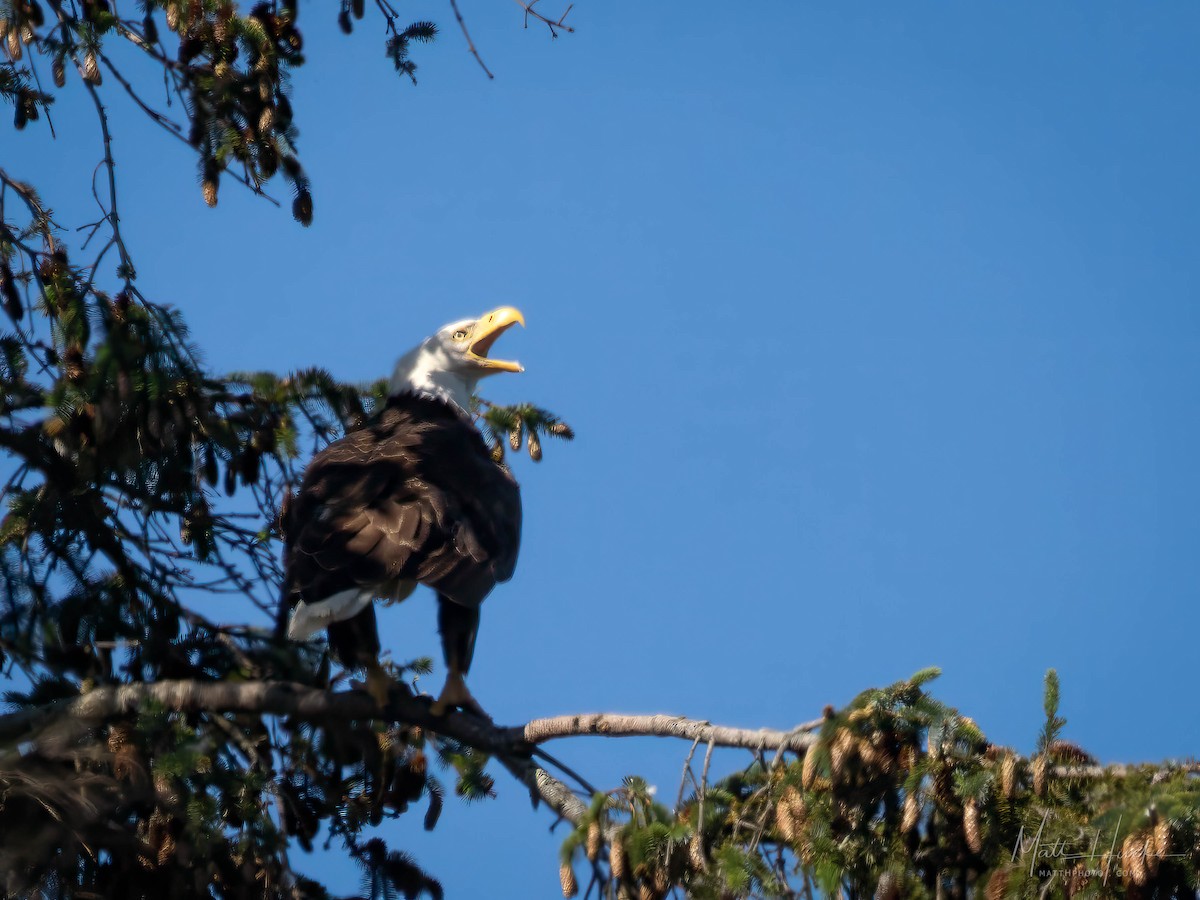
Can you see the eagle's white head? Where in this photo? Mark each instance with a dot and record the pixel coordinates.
(448, 364)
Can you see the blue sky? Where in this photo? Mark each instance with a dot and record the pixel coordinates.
(877, 324)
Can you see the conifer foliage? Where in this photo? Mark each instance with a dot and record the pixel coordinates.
(135, 486)
(899, 796)
(148, 750)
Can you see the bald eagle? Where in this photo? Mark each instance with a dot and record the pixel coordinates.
(413, 498)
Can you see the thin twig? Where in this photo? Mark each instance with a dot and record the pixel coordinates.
(687, 770)
(470, 44)
(127, 273)
(552, 24)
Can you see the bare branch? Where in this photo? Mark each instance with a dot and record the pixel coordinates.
(552, 24)
(616, 725)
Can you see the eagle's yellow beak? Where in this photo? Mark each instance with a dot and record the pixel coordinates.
(487, 328)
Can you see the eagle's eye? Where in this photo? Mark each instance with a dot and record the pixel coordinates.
(460, 335)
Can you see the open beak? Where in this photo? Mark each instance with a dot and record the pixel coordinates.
(487, 328)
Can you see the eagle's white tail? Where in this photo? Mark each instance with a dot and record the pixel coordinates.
(309, 618)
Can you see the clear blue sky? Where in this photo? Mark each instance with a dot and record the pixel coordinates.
(877, 322)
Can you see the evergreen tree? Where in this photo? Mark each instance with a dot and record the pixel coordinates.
(148, 751)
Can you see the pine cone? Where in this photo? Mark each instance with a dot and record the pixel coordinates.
(808, 774)
(971, 825)
(1133, 858)
(1150, 851)
(595, 841)
(167, 849)
(617, 861)
(1008, 775)
(871, 756)
(1162, 837)
(997, 885)
(58, 71)
(158, 836)
(785, 822)
(154, 838)
(118, 737)
(696, 852)
(535, 447)
(1076, 880)
(840, 751)
(562, 430)
(91, 71)
(566, 877)
(912, 811)
(74, 366)
(209, 187)
(661, 880)
(1039, 776)
(514, 438)
(888, 887)
(419, 763)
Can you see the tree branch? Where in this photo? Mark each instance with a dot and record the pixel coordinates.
(616, 725)
(513, 745)
(281, 698)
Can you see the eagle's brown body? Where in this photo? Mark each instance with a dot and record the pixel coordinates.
(413, 498)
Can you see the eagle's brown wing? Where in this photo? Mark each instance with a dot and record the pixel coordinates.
(413, 497)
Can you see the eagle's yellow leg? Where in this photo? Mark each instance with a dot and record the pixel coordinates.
(378, 682)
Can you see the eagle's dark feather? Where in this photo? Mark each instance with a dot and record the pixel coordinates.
(415, 496)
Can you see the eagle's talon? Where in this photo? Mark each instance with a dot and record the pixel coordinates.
(456, 695)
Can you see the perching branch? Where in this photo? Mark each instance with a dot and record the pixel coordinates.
(279, 698)
(291, 699)
(513, 744)
(287, 699)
